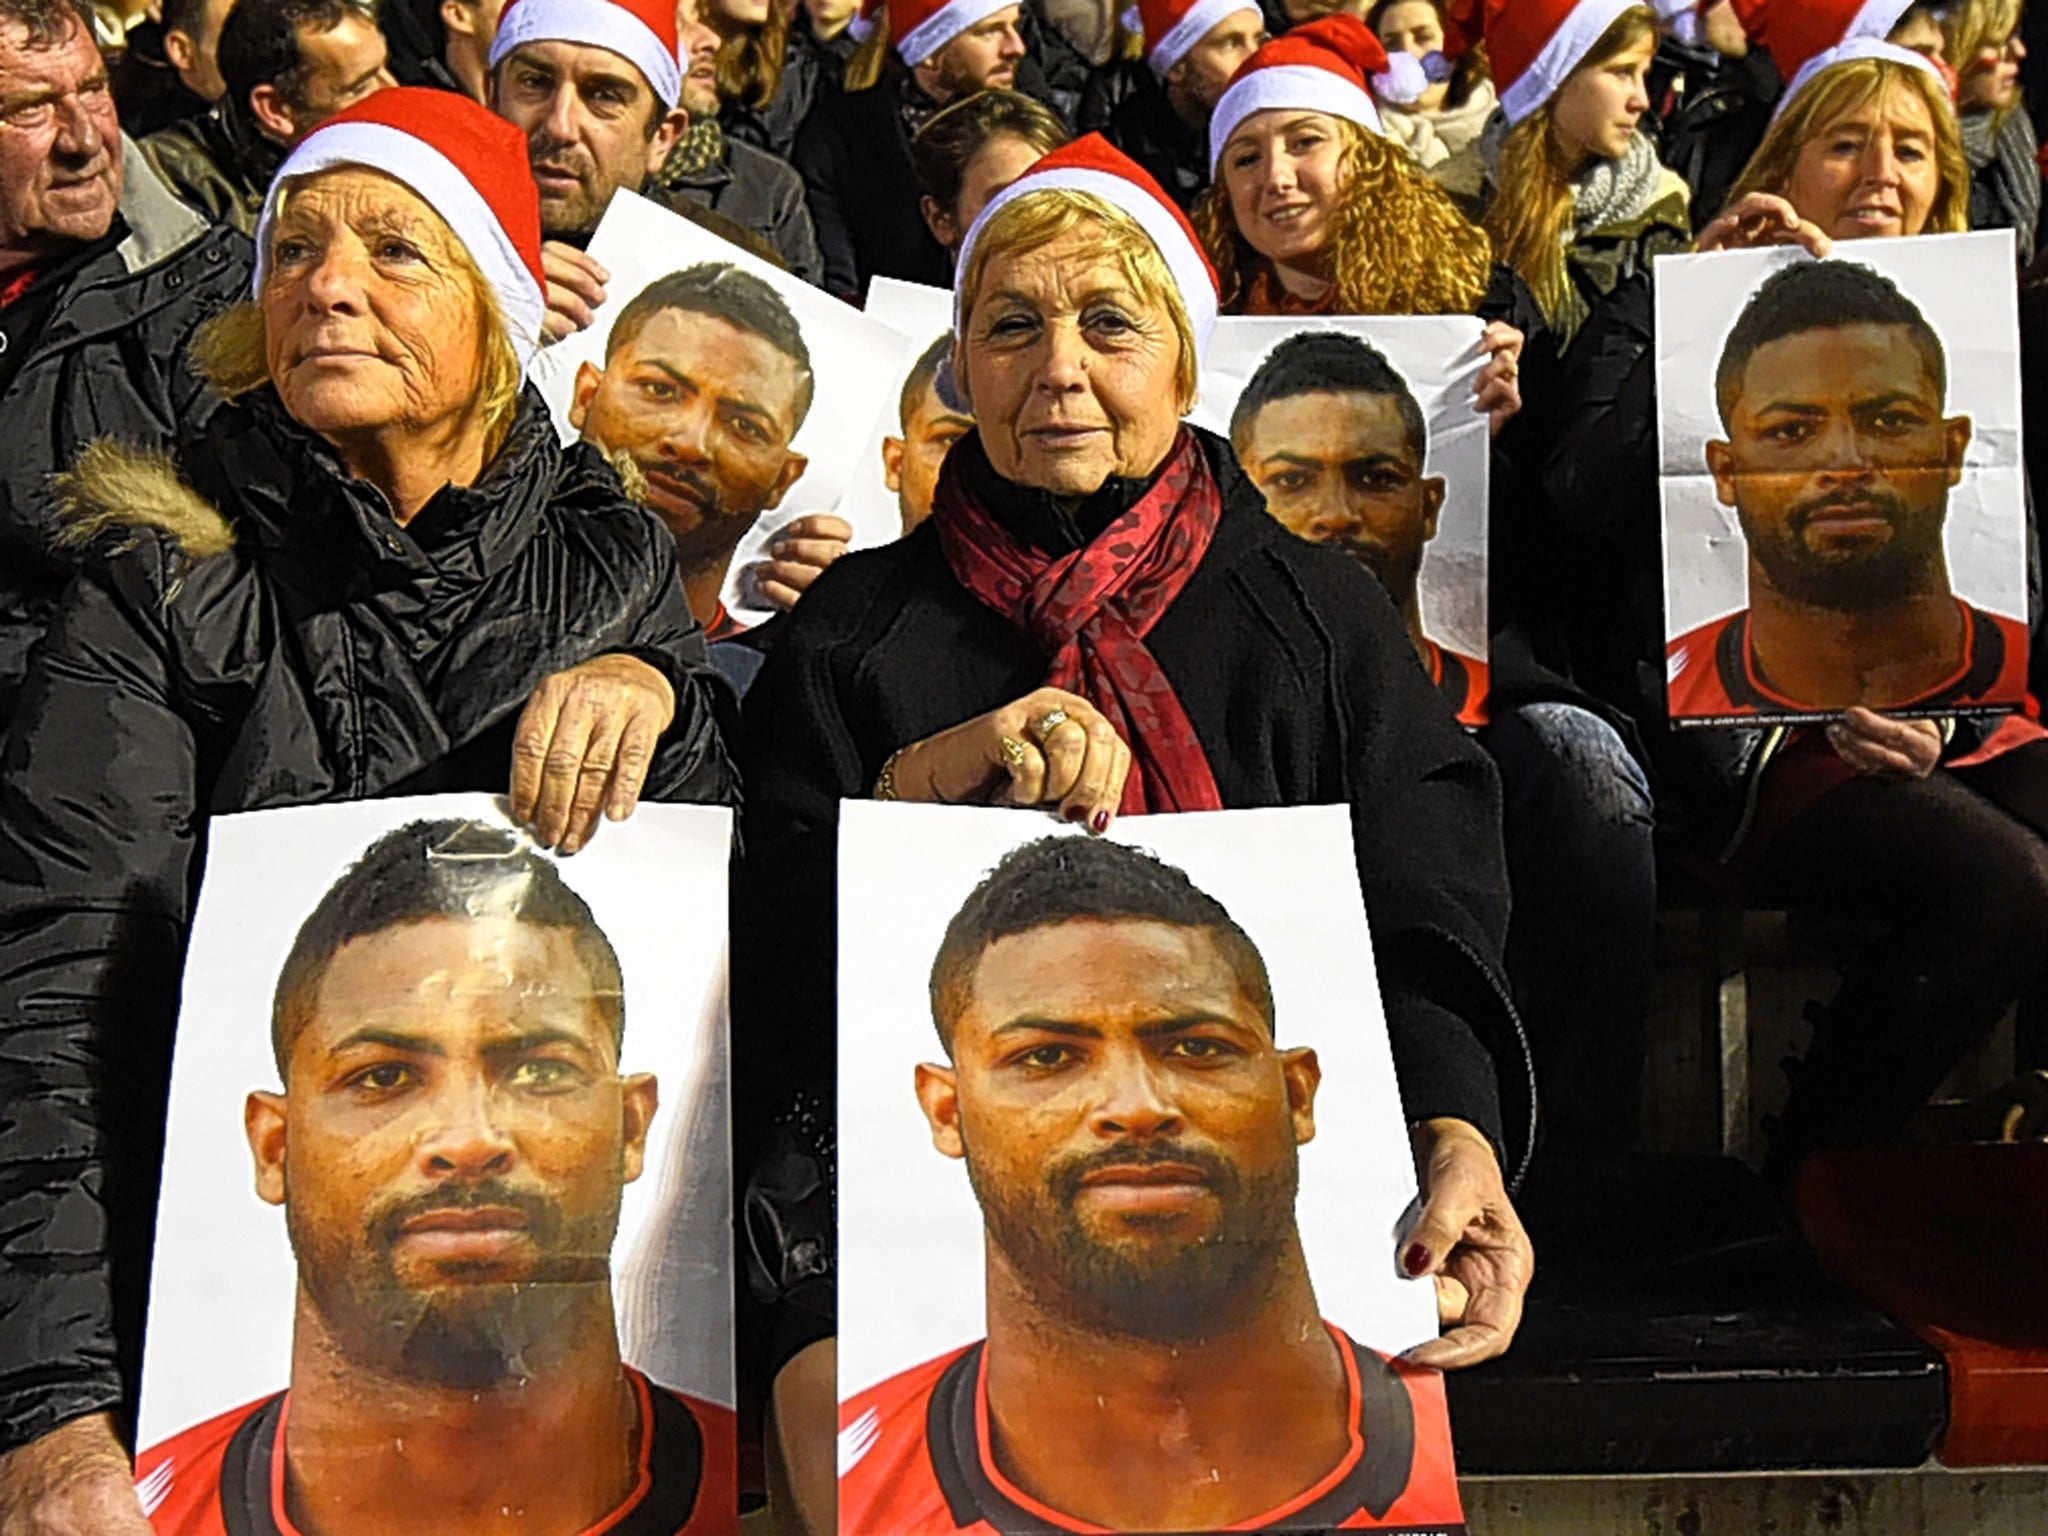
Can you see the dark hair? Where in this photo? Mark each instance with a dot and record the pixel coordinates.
(725, 292)
(1083, 879)
(259, 43)
(47, 22)
(955, 134)
(1327, 363)
(1820, 296)
(750, 59)
(924, 375)
(428, 869)
(180, 15)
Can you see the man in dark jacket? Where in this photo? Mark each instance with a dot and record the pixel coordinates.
(170, 70)
(102, 283)
(1711, 100)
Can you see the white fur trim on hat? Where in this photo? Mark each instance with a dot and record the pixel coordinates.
(444, 189)
(1296, 87)
(1876, 18)
(1843, 53)
(1563, 53)
(1194, 25)
(943, 25)
(1402, 82)
(1189, 268)
(597, 24)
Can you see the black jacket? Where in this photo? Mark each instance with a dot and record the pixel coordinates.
(97, 349)
(1299, 680)
(1127, 105)
(218, 163)
(148, 91)
(854, 157)
(1708, 115)
(762, 193)
(255, 630)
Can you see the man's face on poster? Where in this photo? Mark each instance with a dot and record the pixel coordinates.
(452, 1146)
(911, 463)
(707, 410)
(1129, 1127)
(1343, 469)
(1838, 462)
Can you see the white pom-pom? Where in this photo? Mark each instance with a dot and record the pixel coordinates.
(862, 27)
(1402, 82)
(1130, 20)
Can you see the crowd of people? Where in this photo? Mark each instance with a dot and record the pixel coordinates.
(283, 521)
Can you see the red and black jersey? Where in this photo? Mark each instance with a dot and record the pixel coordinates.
(914, 1458)
(1463, 682)
(723, 626)
(226, 1477)
(1711, 675)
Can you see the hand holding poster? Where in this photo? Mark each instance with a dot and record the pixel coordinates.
(1122, 1165)
(475, 1245)
(1360, 433)
(744, 396)
(1843, 491)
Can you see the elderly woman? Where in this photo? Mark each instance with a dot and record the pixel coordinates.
(374, 573)
(1099, 619)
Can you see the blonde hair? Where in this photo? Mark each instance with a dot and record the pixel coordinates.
(1848, 87)
(231, 350)
(1973, 27)
(1036, 219)
(1530, 221)
(864, 65)
(1397, 244)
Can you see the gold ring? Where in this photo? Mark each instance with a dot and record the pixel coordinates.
(1048, 722)
(1013, 752)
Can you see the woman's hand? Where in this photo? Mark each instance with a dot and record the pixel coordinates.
(575, 289)
(1762, 219)
(1048, 748)
(1470, 1239)
(1498, 388)
(1875, 744)
(584, 745)
(801, 549)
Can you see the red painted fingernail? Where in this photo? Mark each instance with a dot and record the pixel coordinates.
(1075, 812)
(1101, 821)
(1416, 1260)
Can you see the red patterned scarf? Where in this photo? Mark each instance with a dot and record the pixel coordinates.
(1092, 608)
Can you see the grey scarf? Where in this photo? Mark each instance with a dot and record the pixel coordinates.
(1616, 191)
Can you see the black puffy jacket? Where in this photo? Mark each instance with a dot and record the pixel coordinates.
(100, 352)
(259, 632)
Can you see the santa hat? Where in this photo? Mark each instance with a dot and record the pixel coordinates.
(1682, 17)
(920, 28)
(467, 163)
(1806, 36)
(1171, 28)
(642, 32)
(1535, 44)
(1092, 164)
(1333, 64)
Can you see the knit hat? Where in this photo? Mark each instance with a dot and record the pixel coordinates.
(1092, 164)
(1171, 28)
(1806, 36)
(920, 28)
(642, 32)
(467, 163)
(1535, 44)
(1333, 64)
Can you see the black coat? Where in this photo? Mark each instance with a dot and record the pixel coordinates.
(1300, 682)
(1710, 114)
(1127, 105)
(759, 192)
(98, 349)
(854, 157)
(293, 646)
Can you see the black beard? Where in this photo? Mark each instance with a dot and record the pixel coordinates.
(1181, 1295)
(1855, 582)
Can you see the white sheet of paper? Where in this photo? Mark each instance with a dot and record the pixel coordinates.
(922, 314)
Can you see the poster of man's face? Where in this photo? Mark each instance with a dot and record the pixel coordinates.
(1843, 498)
(742, 396)
(1359, 434)
(1119, 1129)
(892, 493)
(447, 1146)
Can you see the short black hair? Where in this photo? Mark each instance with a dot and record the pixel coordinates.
(924, 375)
(180, 15)
(725, 292)
(48, 22)
(1327, 363)
(1083, 879)
(259, 43)
(447, 868)
(1820, 296)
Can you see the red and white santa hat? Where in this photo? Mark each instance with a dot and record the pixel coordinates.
(1806, 36)
(920, 28)
(1333, 64)
(1171, 28)
(642, 32)
(467, 163)
(1092, 164)
(1535, 44)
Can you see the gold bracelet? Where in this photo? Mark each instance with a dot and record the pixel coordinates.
(885, 781)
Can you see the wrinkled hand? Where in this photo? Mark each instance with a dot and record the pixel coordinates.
(1762, 219)
(798, 552)
(1470, 1239)
(997, 759)
(584, 745)
(1498, 388)
(575, 289)
(1876, 744)
(74, 1481)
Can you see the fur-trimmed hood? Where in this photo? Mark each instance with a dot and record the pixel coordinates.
(118, 489)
